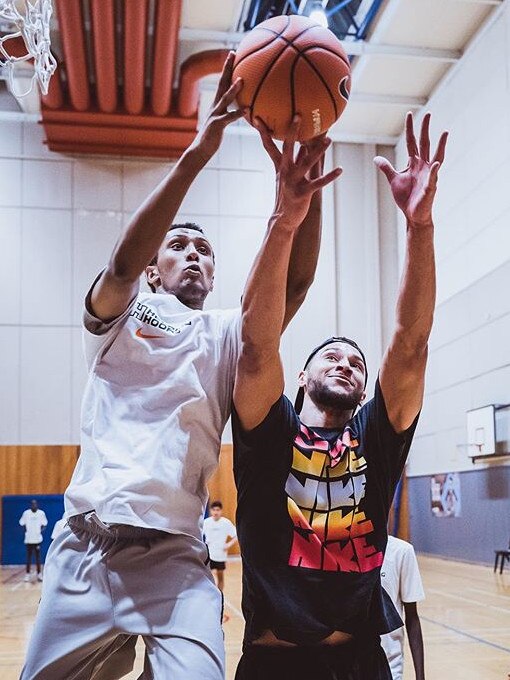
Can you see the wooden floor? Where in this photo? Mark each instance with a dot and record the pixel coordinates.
(465, 618)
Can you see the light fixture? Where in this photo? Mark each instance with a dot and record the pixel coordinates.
(318, 14)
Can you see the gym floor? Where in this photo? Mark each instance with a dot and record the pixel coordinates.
(465, 621)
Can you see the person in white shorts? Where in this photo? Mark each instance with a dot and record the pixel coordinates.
(220, 535)
(131, 560)
(35, 522)
(400, 577)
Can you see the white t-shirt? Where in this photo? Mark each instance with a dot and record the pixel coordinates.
(58, 527)
(33, 522)
(216, 532)
(401, 579)
(157, 399)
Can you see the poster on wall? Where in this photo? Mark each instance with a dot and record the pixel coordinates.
(445, 495)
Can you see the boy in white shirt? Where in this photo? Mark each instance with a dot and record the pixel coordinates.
(401, 579)
(35, 522)
(220, 535)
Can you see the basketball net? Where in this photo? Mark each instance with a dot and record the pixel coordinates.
(34, 28)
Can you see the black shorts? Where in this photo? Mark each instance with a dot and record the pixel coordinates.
(220, 566)
(362, 659)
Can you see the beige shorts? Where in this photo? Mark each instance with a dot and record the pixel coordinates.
(106, 585)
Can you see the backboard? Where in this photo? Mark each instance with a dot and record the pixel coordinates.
(481, 431)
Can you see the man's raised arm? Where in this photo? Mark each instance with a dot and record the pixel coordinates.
(259, 378)
(402, 372)
(148, 226)
(307, 238)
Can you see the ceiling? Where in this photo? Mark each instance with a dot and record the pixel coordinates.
(127, 105)
(410, 46)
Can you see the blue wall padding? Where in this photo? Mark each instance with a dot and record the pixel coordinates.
(484, 524)
(13, 535)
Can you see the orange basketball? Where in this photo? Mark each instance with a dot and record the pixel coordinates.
(289, 65)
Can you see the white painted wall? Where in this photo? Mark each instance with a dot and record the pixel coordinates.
(59, 219)
(469, 363)
(357, 249)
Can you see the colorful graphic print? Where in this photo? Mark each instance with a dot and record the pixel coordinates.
(325, 490)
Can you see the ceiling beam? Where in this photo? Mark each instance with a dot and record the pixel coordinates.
(334, 133)
(240, 128)
(202, 35)
(481, 2)
(362, 47)
(19, 117)
(208, 87)
(357, 48)
(388, 100)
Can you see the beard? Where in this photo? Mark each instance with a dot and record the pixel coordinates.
(323, 396)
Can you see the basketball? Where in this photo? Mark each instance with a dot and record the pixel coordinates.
(289, 65)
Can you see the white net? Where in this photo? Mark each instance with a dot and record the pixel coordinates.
(28, 20)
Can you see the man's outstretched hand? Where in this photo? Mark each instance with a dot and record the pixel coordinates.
(415, 187)
(209, 137)
(298, 176)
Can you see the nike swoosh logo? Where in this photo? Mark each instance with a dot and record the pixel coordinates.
(139, 334)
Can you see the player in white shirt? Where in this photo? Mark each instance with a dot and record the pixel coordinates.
(131, 560)
(220, 535)
(401, 579)
(34, 520)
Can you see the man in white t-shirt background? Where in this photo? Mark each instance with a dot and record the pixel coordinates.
(400, 577)
(220, 535)
(35, 522)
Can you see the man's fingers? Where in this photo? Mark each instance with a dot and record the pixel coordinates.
(301, 154)
(291, 137)
(441, 147)
(315, 140)
(323, 181)
(263, 129)
(315, 153)
(432, 178)
(221, 105)
(425, 138)
(412, 148)
(230, 116)
(317, 168)
(267, 141)
(385, 166)
(225, 78)
(313, 144)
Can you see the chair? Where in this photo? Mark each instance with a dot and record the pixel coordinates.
(501, 556)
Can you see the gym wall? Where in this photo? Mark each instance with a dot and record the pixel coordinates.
(469, 364)
(59, 219)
